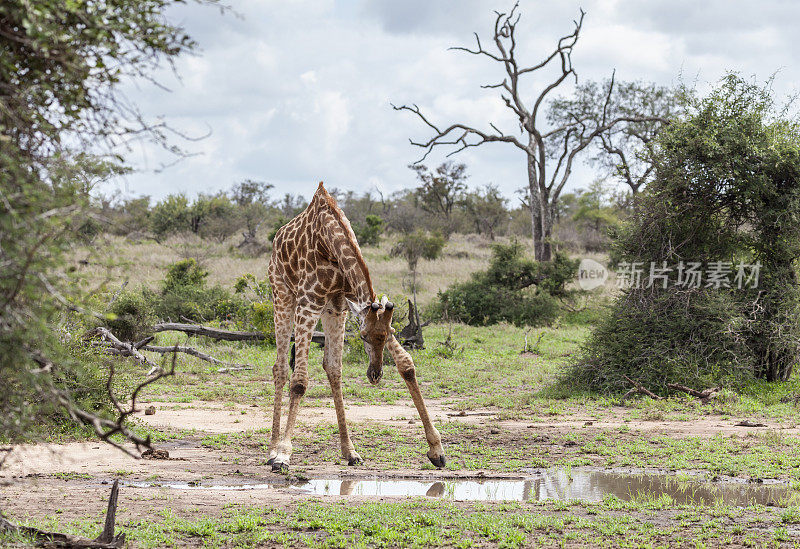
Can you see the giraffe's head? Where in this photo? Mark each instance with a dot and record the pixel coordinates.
(375, 328)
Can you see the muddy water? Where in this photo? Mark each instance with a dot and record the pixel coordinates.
(583, 485)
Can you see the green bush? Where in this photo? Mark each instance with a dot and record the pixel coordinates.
(369, 233)
(132, 316)
(171, 215)
(261, 316)
(184, 273)
(514, 289)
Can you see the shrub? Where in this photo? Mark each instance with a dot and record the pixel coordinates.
(261, 316)
(132, 316)
(514, 288)
(185, 272)
(369, 233)
(185, 295)
(170, 215)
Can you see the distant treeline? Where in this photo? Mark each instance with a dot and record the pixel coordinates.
(250, 212)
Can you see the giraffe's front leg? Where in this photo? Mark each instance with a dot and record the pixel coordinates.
(334, 325)
(304, 326)
(405, 365)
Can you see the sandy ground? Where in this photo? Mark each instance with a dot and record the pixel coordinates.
(73, 480)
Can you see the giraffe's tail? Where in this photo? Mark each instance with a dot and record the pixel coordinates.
(291, 359)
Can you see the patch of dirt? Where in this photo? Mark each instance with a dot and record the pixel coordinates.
(74, 479)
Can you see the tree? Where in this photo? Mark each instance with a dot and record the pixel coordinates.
(439, 192)
(486, 208)
(62, 119)
(291, 205)
(725, 203)
(253, 201)
(623, 151)
(170, 215)
(549, 153)
(595, 213)
(412, 247)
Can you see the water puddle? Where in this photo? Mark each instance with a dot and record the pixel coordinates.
(583, 485)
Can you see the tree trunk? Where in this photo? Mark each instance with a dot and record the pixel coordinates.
(533, 206)
(547, 228)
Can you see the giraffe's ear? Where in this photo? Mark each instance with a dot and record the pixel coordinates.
(353, 308)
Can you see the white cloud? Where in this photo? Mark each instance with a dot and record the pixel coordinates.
(299, 91)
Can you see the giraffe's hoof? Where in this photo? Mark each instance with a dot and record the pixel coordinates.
(438, 461)
(356, 460)
(271, 460)
(280, 467)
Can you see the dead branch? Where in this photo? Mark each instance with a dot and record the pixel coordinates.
(705, 395)
(465, 414)
(748, 423)
(223, 335)
(638, 388)
(104, 428)
(411, 335)
(193, 352)
(535, 347)
(106, 540)
(125, 349)
(230, 369)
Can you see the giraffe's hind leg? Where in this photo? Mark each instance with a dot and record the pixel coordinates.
(333, 323)
(284, 313)
(306, 315)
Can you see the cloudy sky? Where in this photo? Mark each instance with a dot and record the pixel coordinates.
(297, 91)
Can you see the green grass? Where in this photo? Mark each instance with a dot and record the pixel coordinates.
(488, 370)
(426, 523)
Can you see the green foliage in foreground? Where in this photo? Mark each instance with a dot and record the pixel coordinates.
(727, 193)
(514, 289)
(61, 114)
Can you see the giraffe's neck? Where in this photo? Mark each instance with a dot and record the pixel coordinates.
(340, 241)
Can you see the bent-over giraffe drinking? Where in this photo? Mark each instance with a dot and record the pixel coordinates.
(316, 270)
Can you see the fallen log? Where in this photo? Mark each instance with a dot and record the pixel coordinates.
(223, 335)
(106, 540)
(705, 395)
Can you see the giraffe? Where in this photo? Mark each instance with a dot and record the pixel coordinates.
(316, 271)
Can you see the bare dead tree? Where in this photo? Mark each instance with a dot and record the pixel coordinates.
(549, 152)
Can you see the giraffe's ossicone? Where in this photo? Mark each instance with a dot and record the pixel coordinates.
(317, 272)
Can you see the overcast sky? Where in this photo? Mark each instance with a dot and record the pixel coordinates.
(298, 91)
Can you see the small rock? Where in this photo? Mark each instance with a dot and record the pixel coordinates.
(570, 443)
(411, 422)
(155, 453)
(748, 423)
(494, 431)
(150, 410)
(588, 423)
